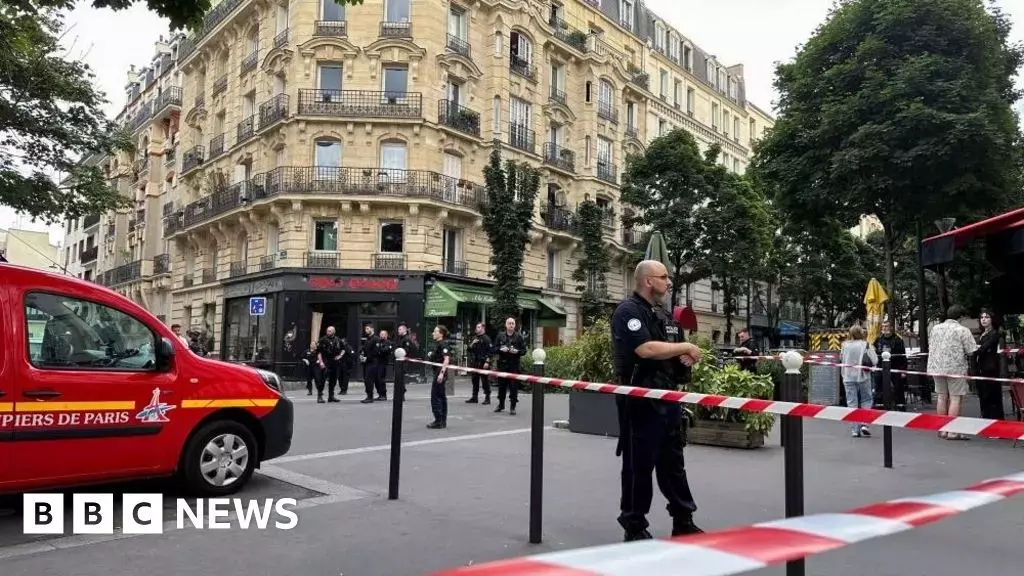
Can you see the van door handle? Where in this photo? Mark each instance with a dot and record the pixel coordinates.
(40, 393)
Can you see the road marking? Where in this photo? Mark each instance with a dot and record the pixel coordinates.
(384, 447)
(335, 492)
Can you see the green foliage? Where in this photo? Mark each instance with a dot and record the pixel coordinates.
(592, 358)
(182, 14)
(901, 109)
(50, 119)
(590, 272)
(730, 380)
(508, 217)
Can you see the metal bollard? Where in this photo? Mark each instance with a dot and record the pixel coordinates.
(398, 401)
(537, 450)
(887, 402)
(793, 428)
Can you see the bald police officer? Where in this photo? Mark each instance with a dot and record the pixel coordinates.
(650, 352)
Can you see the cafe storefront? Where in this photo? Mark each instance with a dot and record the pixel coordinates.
(460, 305)
(301, 304)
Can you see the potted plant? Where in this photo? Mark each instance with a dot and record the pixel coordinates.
(725, 426)
(593, 412)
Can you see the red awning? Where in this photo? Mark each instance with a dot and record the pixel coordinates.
(685, 318)
(993, 225)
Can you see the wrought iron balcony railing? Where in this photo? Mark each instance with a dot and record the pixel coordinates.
(268, 262)
(273, 111)
(396, 29)
(360, 104)
(522, 138)
(321, 259)
(193, 158)
(216, 146)
(607, 171)
(281, 39)
(559, 218)
(559, 157)
(237, 269)
(244, 130)
(455, 267)
(389, 261)
(555, 283)
(557, 95)
(170, 96)
(89, 254)
(249, 62)
(458, 45)
(337, 28)
(522, 67)
(571, 36)
(162, 264)
(607, 111)
(453, 115)
(219, 85)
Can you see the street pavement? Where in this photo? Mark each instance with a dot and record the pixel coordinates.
(464, 498)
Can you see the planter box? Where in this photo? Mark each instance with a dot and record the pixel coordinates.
(727, 434)
(593, 413)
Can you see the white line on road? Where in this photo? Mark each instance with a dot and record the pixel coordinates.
(383, 447)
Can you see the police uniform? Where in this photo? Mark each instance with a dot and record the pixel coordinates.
(345, 367)
(368, 350)
(411, 351)
(438, 393)
(651, 432)
(385, 349)
(328, 348)
(480, 351)
(509, 362)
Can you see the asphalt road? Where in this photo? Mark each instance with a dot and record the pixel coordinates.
(465, 491)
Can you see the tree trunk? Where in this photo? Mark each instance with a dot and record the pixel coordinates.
(890, 269)
(727, 294)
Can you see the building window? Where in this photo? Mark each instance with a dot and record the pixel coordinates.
(753, 130)
(457, 22)
(677, 94)
(725, 122)
(393, 161)
(586, 150)
(659, 37)
(664, 84)
(325, 235)
(328, 154)
(496, 116)
(396, 10)
(631, 114)
(604, 151)
(626, 13)
(392, 236)
(451, 250)
(606, 96)
(673, 47)
(691, 97)
(662, 127)
(332, 11)
(520, 48)
(736, 128)
(395, 81)
(714, 115)
(329, 75)
(736, 165)
(273, 237)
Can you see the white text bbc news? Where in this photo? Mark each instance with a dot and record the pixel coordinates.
(144, 514)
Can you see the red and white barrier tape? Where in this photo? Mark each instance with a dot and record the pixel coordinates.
(1003, 429)
(933, 374)
(746, 548)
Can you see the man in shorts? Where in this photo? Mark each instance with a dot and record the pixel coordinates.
(950, 345)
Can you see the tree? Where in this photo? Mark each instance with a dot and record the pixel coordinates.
(508, 220)
(590, 272)
(668, 183)
(181, 13)
(899, 109)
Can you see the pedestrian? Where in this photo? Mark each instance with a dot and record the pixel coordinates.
(345, 366)
(889, 341)
(986, 363)
(406, 342)
(480, 351)
(310, 367)
(858, 358)
(650, 352)
(329, 352)
(176, 328)
(511, 347)
(368, 356)
(441, 354)
(385, 351)
(950, 346)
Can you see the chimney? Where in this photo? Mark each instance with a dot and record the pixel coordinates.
(132, 77)
(736, 71)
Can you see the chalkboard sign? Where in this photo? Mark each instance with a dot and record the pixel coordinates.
(824, 385)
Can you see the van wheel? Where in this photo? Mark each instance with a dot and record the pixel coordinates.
(219, 459)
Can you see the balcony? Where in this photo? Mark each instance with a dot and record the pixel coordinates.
(200, 100)
(237, 269)
(453, 115)
(522, 138)
(334, 181)
(169, 157)
(335, 28)
(558, 218)
(360, 104)
(389, 261)
(89, 254)
(396, 29)
(124, 273)
(141, 165)
(603, 48)
(162, 264)
(458, 45)
(173, 223)
(90, 221)
(556, 284)
(630, 237)
(455, 267)
(210, 21)
(216, 146)
(606, 111)
(556, 95)
(193, 158)
(561, 158)
(170, 96)
(607, 171)
(111, 231)
(220, 85)
(249, 62)
(639, 78)
(281, 39)
(141, 117)
(323, 260)
(243, 131)
(268, 262)
(208, 276)
(575, 38)
(273, 111)
(522, 67)
(631, 132)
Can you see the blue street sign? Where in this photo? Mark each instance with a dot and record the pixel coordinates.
(257, 306)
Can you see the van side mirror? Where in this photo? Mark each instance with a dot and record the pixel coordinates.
(164, 353)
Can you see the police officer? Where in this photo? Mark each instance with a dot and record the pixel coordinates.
(385, 350)
(368, 356)
(329, 351)
(650, 353)
(345, 366)
(480, 351)
(404, 341)
(441, 354)
(510, 347)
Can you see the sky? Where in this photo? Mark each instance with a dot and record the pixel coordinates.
(756, 33)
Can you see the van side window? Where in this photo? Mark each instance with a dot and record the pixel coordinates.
(68, 333)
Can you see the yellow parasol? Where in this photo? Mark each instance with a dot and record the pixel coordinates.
(874, 301)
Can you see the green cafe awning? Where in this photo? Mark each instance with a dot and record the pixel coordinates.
(443, 299)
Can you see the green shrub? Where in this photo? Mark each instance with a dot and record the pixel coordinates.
(731, 380)
(592, 359)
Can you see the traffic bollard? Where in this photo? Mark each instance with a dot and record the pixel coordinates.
(887, 401)
(537, 449)
(793, 429)
(398, 400)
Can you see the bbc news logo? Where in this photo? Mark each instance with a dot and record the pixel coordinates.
(144, 514)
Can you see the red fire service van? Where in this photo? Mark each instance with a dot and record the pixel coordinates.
(94, 388)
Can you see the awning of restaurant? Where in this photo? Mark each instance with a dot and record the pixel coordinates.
(941, 249)
(790, 329)
(443, 299)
